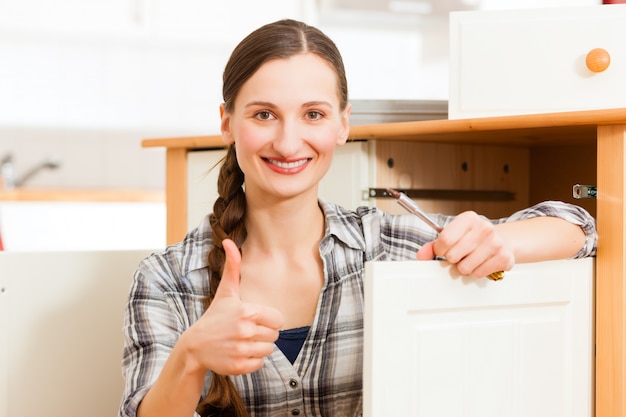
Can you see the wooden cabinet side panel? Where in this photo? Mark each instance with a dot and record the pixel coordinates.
(610, 273)
(176, 194)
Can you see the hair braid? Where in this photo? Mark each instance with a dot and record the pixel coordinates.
(229, 210)
(228, 214)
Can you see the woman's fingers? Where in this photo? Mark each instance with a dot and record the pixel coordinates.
(426, 252)
(263, 316)
(472, 244)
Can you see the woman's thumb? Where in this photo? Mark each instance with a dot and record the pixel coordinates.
(426, 252)
(229, 285)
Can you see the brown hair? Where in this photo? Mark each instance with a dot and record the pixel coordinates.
(281, 39)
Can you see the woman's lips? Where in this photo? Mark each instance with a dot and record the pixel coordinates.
(287, 166)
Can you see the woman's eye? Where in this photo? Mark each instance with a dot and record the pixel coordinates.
(264, 115)
(314, 115)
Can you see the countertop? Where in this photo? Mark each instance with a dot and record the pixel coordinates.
(82, 195)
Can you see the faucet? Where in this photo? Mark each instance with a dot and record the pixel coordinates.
(7, 171)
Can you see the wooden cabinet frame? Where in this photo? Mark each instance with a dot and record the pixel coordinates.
(602, 130)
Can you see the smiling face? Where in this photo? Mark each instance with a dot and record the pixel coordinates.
(285, 123)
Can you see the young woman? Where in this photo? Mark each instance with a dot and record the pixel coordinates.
(259, 311)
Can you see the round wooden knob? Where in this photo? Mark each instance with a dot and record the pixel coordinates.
(598, 60)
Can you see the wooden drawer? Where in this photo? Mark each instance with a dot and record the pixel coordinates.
(511, 62)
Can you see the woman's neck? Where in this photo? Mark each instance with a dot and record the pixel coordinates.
(287, 224)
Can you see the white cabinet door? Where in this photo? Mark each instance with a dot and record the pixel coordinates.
(346, 182)
(61, 318)
(202, 173)
(510, 62)
(438, 344)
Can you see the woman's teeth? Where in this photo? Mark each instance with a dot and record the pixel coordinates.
(288, 165)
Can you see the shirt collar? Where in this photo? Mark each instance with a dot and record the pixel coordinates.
(343, 224)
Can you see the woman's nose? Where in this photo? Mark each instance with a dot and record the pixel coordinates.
(288, 140)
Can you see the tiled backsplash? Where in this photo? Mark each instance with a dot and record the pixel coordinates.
(87, 158)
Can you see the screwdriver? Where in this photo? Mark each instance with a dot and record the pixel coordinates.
(410, 206)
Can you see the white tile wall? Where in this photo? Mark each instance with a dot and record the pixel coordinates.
(90, 103)
(88, 158)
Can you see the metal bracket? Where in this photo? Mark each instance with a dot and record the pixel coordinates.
(458, 195)
(584, 191)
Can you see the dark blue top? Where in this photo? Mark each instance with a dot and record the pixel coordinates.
(290, 341)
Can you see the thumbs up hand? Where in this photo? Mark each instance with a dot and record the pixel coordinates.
(232, 337)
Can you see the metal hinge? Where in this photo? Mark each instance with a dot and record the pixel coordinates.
(584, 191)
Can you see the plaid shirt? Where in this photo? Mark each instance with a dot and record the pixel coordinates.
(169, 291)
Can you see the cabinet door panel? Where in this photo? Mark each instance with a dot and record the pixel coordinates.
(348, 176)
(202, 173)
(441, 344)
(61, 318)
(534, 61)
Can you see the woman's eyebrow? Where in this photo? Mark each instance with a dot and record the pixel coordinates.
(261, 104)
(317, 103)
(269, 104)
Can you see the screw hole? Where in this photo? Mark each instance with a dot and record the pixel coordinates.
(464, 166)
(505, 168)
(390, 162)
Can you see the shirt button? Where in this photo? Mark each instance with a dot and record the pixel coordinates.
(293, 384)
(295, 412)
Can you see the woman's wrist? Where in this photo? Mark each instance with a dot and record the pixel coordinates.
(186, 355)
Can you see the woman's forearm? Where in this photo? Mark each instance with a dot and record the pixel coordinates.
(177, 390)
(542, 238)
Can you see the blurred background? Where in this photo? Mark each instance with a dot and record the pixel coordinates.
(82, 82)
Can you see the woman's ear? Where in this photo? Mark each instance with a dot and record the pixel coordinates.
(344, 132)
(227, 135)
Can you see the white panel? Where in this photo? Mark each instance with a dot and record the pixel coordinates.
(202, 173)
(61, 317)
(441, 344)
(347, 177)
(536, 63)
(4, 340)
